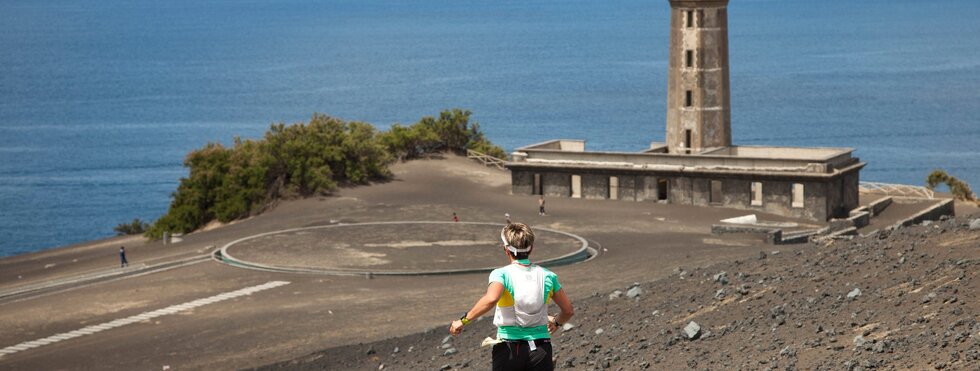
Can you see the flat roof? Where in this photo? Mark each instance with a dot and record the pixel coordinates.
(772, 152)
(572, 153)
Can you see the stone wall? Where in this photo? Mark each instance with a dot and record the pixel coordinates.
(877, 207)
(679, 191)
(935, 212)
(777, 197)
(822, 200)
(628, 187)
(646, 188)
(595, 186)
(556, 184)
(521, 182)
(850, 190)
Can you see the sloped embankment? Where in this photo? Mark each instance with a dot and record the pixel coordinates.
(905, 298)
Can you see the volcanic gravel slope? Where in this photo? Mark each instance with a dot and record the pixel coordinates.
(899, 299)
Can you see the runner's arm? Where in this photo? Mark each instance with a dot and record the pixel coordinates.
(482, 306)
(565, 305)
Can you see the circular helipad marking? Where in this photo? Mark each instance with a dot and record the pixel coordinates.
(394, 248)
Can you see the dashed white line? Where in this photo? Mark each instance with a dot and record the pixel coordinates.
(89, 330)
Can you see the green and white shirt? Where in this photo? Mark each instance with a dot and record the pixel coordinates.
(522, 311)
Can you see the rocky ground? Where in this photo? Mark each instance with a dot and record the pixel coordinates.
(899, 299)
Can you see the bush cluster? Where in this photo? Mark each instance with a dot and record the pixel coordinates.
(305, 159)
(958, 188)
(137, 226)
(451, 131)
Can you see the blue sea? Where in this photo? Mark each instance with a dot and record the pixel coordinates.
(101, 100)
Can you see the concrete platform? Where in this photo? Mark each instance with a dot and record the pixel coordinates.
(394, 248)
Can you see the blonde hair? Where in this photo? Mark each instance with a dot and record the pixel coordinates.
(518, 235)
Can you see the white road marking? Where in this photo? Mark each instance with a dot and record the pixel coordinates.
(89, 330)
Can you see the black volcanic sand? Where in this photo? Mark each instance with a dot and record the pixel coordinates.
(902, 299)
(393, 247)
(639, 242)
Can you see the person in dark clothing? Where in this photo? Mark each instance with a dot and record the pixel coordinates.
(123, 263)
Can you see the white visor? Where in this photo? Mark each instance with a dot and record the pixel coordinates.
(512, 248)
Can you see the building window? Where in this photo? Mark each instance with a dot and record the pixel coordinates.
(715, 196)
(687, 140)
(613, 188)
(798, 195)
(756, 193)
(576, 186)
(689, 59)
(690, 18)
(688, 98)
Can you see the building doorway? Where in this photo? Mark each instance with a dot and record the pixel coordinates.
(714, 197)
(687, 141)
(537, 185)
(662, 186)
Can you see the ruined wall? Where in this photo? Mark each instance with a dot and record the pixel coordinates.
(679, 191)
(834, 199)
(595, 186)
(521, 182)
(627, 187)
(700, 191)
(815, 201)
(842, 195)
(556, 184)
(851, 191)
(737, 193)
(647, 191)
(777, 197)
(819, 198)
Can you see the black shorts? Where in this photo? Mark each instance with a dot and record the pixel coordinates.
(517, 356)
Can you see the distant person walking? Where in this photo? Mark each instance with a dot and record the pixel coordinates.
(455, 218)
(123, 263)
(521, 292)
(507, 217)
(541, 205)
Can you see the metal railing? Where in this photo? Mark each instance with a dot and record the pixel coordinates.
(896, 190)
(486, 159)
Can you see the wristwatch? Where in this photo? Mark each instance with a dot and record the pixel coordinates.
(556, 323)
(464, 320)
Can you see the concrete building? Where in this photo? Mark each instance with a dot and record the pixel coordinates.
(698, 164)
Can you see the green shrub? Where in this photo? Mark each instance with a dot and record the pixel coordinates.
(302, 160)
(137, 226)
(452, 131)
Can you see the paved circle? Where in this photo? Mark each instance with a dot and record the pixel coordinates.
(394, 248)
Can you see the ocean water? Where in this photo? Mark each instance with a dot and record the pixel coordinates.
(101, 100)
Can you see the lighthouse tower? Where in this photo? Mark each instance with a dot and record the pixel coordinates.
(698, 94)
